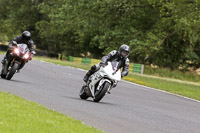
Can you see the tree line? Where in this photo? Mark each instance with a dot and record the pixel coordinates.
(165, 33)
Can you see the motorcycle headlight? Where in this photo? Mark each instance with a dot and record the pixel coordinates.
(26, 56)
(16, 51)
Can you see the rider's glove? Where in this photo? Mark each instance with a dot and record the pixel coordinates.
(103, 64)
(33, 52)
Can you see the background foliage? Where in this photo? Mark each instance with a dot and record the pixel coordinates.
(164, 33)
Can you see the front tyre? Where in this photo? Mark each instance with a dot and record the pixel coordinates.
(83, 94)
(12, 71)
(102, 92)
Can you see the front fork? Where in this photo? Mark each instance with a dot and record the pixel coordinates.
(8, 67)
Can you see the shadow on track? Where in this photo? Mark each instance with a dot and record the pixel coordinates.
(89, 100)
(18, 81)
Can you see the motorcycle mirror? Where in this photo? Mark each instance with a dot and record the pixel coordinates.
(14, 43)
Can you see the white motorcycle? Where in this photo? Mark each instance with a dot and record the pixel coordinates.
(101, 82)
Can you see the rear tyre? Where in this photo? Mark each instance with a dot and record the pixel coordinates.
(102, 92)
(12, 71)
(83, 94)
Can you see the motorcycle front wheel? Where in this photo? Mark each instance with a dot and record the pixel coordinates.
(102, 92)
(12, 71)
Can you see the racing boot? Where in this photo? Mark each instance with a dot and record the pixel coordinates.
(90, 72)
(86, 77)
(5, 57)
(3, 61)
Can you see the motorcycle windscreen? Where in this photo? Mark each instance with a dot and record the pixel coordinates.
(110, 71)
(23, 48)
(115, 65)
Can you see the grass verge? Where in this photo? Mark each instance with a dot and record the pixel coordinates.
(175, 74)
(76, 63)
(175, 87)
(188, 89)
(2, 52)
(21, 116)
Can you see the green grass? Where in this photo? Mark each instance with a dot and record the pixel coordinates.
(2, 52)
(180, 88)
(77, 63)
(184, 88)
(175, 74)
(20, 116)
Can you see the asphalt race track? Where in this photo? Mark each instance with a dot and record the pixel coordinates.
(128, 109)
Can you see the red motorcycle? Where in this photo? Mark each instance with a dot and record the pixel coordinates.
(20, 54)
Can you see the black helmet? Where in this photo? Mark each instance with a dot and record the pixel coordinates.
(26, 35)
(124, 51)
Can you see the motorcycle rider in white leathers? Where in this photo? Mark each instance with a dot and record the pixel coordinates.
(120, 56)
